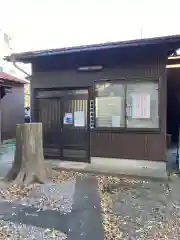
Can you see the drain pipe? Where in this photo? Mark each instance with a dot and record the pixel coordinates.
(13, 60)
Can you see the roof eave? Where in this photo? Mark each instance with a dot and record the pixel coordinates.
(8, 81)
(29, 56)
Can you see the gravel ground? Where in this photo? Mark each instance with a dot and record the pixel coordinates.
(50, 196)
(14, 231)
(57, 195)
(139, 210)
(131, 209)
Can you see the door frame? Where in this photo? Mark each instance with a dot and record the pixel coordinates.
(65, 89)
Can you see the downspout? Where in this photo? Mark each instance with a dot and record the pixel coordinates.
(13, 60)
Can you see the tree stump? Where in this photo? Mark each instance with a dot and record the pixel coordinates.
(28, 165)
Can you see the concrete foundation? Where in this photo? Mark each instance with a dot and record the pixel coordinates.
(129, 167)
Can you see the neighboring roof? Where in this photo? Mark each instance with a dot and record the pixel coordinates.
(28, 56)
(5, 77)
(175, 59)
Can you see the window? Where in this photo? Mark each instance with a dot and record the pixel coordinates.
(142, 105)
(109, 104)
(121, 104)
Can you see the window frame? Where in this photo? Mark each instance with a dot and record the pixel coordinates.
(125, 82)
(120, 80)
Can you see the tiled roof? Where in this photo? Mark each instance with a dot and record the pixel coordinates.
(9, 78)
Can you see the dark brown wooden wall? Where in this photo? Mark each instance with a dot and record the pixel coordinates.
(146, 146)
(12, 106)
(131, 145)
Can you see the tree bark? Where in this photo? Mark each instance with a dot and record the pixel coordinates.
(28, 165)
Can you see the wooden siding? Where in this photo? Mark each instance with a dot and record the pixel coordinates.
(146, 146)
(130, 145)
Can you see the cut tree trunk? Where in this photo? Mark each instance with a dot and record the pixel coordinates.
(28, 165)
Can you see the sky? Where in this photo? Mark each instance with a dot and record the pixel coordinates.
(44, 24)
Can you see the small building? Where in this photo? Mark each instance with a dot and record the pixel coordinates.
(105, 100)
(11, 105)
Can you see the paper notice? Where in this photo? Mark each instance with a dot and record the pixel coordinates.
(79, 120)
(141, 106)
(116, 121)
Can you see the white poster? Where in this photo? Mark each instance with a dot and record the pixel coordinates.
(141, 106)
(79, 120)
(116, 121)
